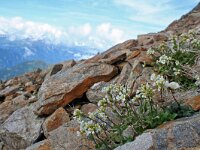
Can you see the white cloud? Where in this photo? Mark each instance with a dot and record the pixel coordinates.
(83, 30)
(107, 32)
(146, 6)
(20, 28)
(101, 36)
(154, 12)
(103, 28)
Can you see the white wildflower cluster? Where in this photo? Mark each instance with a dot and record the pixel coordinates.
(145, 91)
(171, 39)
(78, 114)
(150, 51)
(196, 43)
(116, 93)
(102, 103)
(162, 47)
(99, 115)
(164, 59)
(186, 42)
(190, 40)
(88, 125)
(176, 71)
(192, 31)
(197, 77)
(160, 82)
(177, 62)
(97, 120)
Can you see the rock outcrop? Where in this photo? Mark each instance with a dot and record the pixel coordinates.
(62, 88)
(18, 92)
(21, 129)
(58, 118)
(64, 138)
(61, 67)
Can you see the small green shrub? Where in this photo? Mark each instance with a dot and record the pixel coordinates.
(174, 59)
(139, 112)
(180, 109)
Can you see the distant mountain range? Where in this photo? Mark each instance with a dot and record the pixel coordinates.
(22, 68)
(29, 52)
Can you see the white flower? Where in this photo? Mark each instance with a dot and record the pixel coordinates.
(77, 112)
(158, 81)
(177, 62)
(188, 40)
(194, 41)
(150, 51)
(145, 91)
(153, 77)
(197, 82)
(172, 85)
(192, 31)
(91, 115)
(164, 59)
(197, 77)
(176, 71)
(102, 102)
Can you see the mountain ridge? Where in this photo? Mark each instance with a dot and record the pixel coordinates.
(19, 51)
(186, 22)
(22, 68)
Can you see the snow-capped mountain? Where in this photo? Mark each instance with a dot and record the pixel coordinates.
(17, 51)
(13, 52)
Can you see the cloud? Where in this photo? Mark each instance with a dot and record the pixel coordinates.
(108, 32)
(19, 28)
(144, 6)
(153, 12)
(83, 30)
(100, 36)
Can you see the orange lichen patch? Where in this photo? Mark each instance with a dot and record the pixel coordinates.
(45, 146)
(145, 58)
(194, 102)
(58, 118)
(167, 125)
(73, 129)
(133, 54)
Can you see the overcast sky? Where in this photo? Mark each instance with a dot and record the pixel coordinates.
(94, 23)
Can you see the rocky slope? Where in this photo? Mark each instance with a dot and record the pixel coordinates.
(186, 22)
(36, 108)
